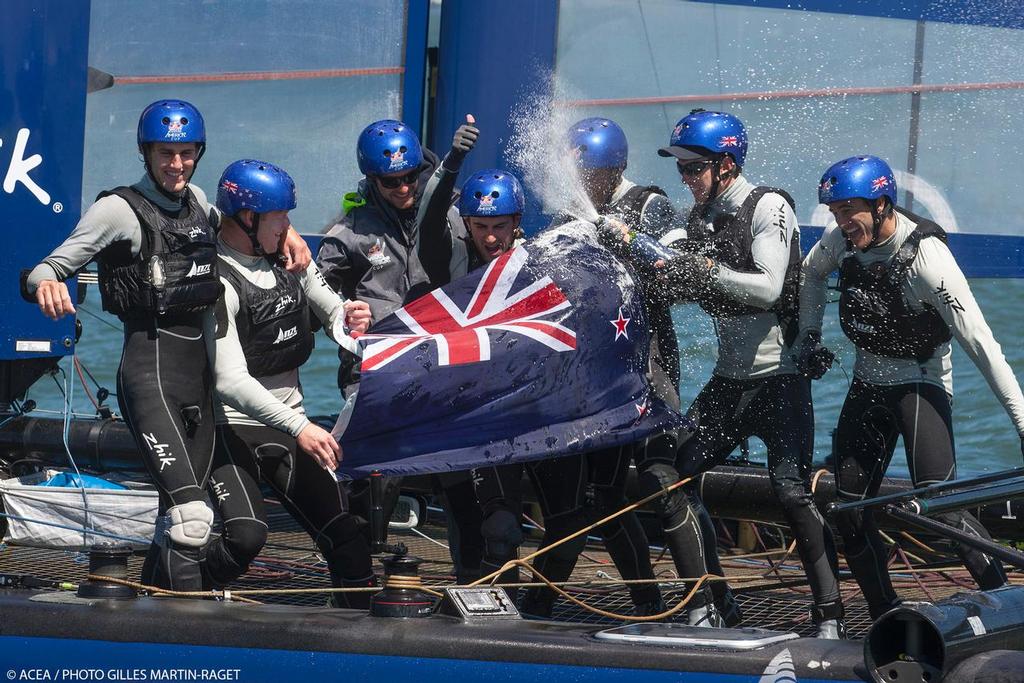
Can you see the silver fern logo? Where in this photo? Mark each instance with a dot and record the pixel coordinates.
(780, 669)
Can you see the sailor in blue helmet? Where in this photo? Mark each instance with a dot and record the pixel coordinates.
(155, 245)
(491, 206)
(902, 299)
(259, 337)
(741, 263)
(600, 150)
(370, 253)
(450, 250)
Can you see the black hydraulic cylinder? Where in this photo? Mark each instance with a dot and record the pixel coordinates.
(924, 641)
(378, 525)
(961, 500)
(103, 445)
(997, 550)
(926, 491)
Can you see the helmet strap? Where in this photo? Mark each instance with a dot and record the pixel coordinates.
(716, 171)
(252, 231)
(876, 223)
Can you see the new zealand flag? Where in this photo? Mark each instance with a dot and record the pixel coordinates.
(541, 353)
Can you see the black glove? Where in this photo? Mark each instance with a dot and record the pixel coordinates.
(462, 142)
(688, 274)
(610, 235)
(813, 360)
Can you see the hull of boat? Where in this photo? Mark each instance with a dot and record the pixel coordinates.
(152, 639)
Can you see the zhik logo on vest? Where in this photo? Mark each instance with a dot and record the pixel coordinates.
(19, 168)
(283, 302)
(285, 335)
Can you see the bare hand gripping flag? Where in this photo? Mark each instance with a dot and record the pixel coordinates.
(541, 353)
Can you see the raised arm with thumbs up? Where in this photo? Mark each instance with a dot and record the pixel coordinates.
(463, 140)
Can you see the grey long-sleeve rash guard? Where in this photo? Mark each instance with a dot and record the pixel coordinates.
(935, 279)
(275, 400)
(752, 345)
(107, 221)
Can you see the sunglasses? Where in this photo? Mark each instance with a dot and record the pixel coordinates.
(693, 168)
(393, 182)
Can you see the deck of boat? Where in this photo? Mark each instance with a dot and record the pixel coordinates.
(290, 561)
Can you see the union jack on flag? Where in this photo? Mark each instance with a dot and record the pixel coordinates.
(878, 183)
(461, 336)
(729, 141)
(230, 186)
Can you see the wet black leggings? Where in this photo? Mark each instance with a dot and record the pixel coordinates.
(624, 537)
(778, 411)
(465, 517)
(164, 393)
(560, 484)
(245, 454)
(872, 420)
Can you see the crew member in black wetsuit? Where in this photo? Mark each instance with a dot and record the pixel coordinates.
(155, 245)
(741, 262)
(262, 336)
(600, 149)
(371, 253)
(903, 298)
(491, 205)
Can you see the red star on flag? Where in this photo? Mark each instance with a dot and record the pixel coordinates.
(620, 325)
(641, 409)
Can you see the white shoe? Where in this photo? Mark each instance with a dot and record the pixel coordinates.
(706, 617)
(832, 629)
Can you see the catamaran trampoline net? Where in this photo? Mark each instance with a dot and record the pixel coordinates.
(778, 599)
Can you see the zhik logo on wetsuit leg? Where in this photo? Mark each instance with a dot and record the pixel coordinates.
(160, 450)
(20, 166)
(219, 490)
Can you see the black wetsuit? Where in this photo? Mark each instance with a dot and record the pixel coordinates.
(261, 300)
(644, 208)
(751, 234)
(871, 422)
(560, 484)
(164, 394)
(248, 454)
(164, 386)
(901, 302)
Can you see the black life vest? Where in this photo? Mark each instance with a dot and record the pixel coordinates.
(630, 206)
(873, 311)
(729, 243)
(273, 324)
(181, 249)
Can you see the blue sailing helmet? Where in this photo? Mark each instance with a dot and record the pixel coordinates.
(701, 134)
(388, 146)
(598, 143)
(256, 185)
(867, 177)
(172, 121)
(492, 192)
